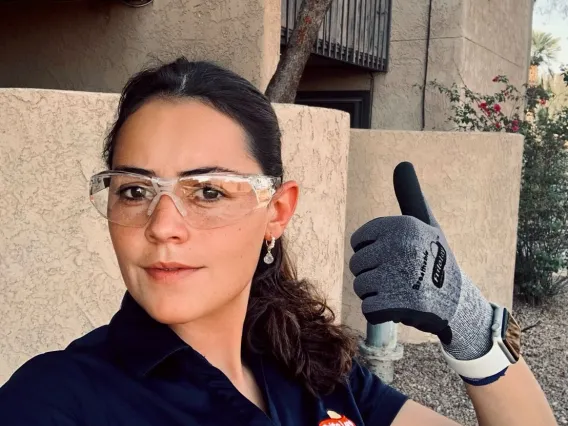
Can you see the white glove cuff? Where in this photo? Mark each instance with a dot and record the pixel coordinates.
(496, 360)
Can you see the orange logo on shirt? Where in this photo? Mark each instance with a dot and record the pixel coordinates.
(336, 420)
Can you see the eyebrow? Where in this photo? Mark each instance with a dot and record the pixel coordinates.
(192, 172)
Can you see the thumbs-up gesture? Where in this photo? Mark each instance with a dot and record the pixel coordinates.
(406, 272)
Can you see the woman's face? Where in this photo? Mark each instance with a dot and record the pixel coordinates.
(167, 138)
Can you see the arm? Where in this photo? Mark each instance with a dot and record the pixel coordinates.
(406, 272)
(413, 413)
(515, 399)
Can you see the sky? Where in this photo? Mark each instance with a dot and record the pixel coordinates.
(557, 25)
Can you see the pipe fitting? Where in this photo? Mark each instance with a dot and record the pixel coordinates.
(381, 350)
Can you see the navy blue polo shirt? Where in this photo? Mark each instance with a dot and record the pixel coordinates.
(138, 372)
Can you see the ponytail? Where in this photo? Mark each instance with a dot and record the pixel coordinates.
(289, 320)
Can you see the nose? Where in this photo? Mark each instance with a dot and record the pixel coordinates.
(166, 224)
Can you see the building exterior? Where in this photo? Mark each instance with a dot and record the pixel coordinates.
(374, 56)
(559, 89)
(94, 45)
(60, 278)
(451, 41)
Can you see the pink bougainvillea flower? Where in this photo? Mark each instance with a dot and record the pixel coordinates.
(543, 101)
(495, 79)
(496, 107)
(483, 107)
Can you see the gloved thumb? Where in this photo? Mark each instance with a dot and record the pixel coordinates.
(409, 195)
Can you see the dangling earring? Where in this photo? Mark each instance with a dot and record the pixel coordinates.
(269, 258)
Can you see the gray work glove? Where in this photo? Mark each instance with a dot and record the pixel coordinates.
(405, 272)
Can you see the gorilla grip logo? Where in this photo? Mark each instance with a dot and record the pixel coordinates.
(438, 273)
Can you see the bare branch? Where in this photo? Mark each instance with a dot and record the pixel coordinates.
(285, 81)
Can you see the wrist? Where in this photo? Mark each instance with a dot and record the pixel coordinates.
(471, 324)
(505, 351)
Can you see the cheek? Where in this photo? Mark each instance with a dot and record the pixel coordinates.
(236, 248)
(126, 242)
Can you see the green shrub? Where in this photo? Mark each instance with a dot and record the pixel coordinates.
(542, 243)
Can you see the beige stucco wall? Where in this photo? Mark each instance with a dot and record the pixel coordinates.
(315, 150)
(472, 183)
(95, 46)
(559, 88)
(471, 42)
(59, 274)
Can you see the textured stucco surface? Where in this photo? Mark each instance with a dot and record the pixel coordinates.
(95, 46)
(315, 151)
(472, 183)
(59, 274)
(398, 93)
(477, 71)
(470, 42)
(502, 27)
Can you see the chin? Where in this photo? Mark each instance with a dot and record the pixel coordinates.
(171, 308)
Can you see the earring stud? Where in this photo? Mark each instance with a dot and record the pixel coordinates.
(269, 258)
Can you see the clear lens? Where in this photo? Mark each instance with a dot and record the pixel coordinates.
(206, 201)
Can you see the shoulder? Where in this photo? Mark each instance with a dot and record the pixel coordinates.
(63, 368)
(42, 368)
(42, 391)
(377, 402)
(50, 388)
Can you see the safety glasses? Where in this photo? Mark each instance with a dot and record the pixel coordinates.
(205, 201)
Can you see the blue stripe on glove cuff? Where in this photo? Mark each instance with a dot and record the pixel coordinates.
(485, 381)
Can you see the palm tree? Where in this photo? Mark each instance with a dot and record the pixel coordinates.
(544, 49)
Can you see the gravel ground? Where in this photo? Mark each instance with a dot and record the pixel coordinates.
(424, 376)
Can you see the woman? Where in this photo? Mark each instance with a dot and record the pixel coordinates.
(214, 327)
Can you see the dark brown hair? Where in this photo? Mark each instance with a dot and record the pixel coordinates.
(286, 318)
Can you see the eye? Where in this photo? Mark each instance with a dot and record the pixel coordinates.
(135, 193)
(209, 194)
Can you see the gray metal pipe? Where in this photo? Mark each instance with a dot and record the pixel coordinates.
(381, 335)
(381, 349)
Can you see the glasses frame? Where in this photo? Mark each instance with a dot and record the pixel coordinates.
(163, 186)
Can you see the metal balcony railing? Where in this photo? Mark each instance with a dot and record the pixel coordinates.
(353, 31)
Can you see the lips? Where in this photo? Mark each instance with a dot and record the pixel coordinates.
(170, 271)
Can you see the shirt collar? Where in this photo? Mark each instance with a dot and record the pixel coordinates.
(140, 342)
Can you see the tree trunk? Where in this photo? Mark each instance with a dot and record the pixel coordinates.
(285, 81)
(533, 75)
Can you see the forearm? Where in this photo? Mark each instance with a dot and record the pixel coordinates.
(515, 399)
(406, 272)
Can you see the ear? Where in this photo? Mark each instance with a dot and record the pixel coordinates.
(281, 209)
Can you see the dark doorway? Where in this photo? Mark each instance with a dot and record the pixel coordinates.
(356, 103)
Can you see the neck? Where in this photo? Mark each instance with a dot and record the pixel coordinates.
(218, 337)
